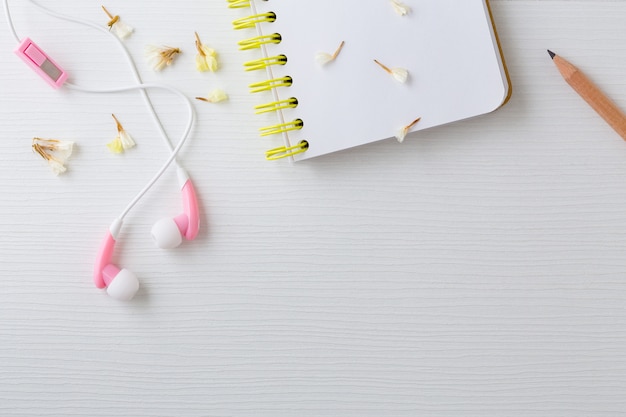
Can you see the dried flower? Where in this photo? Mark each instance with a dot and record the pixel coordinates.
(161, 56)
(399, 74)
(121, 29)
(55, 152)
(206, 60)
(400, 8)
(405, 130)
(122, 141)
(323, 58)
(214, 96)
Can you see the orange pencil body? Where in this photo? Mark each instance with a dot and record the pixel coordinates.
(603, 105)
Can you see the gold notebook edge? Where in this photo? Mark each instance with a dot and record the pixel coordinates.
(506, 70)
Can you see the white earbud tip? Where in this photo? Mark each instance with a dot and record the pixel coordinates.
(166, 233)
(124, 286)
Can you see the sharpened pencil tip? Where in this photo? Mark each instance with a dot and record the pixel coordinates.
(552, 54)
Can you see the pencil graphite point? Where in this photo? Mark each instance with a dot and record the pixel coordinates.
(599, 101)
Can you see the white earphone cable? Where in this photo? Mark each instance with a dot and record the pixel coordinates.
(129, 60)
(181, 142)
(7, 12)
(140, 86)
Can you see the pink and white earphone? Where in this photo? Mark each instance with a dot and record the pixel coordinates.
(168, 233)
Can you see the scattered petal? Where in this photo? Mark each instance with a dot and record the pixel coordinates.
(215, 96)
(56, 166)
(55, 152)
(122, 141)
(127, 141)
(401, 134)
(323, 58)
(115, 145)
(161, 56)
(206, 59)
(401, 75)
(400, 8)
(121, 29)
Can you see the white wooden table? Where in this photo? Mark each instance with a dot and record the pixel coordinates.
(478, 269)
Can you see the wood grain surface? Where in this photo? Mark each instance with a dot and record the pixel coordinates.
(477, 269)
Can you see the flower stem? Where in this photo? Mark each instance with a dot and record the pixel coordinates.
(383, 66)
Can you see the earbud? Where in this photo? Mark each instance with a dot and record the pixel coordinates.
(121, 284)
(168, 233)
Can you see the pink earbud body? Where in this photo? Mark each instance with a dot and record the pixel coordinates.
(190, 204)
(121, 284)
(103, 259)
(168, 232)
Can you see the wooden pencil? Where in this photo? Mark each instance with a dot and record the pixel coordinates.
(603, 105)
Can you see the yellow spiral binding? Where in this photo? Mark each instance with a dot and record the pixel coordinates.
(262, 63)
(282, 128)
(253, 20)
(270, 84)
(257, 41)
(286, 151)
(238, 4)
(290, 103)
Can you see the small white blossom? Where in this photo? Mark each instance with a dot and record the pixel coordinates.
(206, 59)
(55, 152)
(401, 75)
(56, 166)
(401, 134)
(323, 58)
(121, 29)
(400, 8)
(161, 56)
(122, 141)
(215, 96)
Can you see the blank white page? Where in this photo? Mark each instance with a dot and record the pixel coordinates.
(449, 48)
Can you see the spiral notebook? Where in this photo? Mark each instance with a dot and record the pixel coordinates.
(447, 49)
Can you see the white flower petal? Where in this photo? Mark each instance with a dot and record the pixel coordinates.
(400, 8)
(64, 149)
(207, 59)
(400, 74)
(211, 63)
(209, 51)
(126, 140)
(153, 55)
(160, 56)
(217, 95)
(121, 29)
(115, 145)
(323, 58)
(153, 50)
(401, 134)
(59, 149)
(57, 167)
